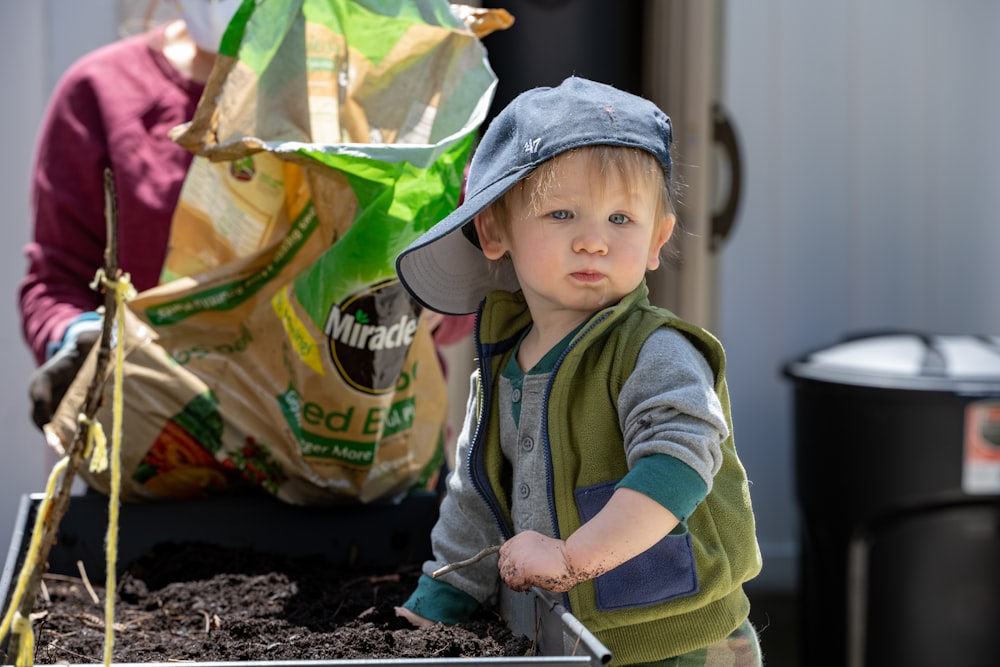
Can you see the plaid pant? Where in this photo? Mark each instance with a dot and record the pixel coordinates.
(739, 649)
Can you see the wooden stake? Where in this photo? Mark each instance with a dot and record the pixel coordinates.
(92, 401)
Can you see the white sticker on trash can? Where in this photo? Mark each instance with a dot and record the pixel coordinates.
(981, 469)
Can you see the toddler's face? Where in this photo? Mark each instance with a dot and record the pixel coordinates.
(583, 243)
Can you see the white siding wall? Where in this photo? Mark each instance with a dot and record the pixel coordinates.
(872, 195)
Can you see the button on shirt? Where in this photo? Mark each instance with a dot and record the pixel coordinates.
(521, 419)
(518, 436)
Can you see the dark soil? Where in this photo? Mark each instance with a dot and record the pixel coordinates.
(197, 602)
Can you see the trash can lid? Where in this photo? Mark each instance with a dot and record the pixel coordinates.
(960, 363)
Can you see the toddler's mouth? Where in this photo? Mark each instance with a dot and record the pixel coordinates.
(588, 276)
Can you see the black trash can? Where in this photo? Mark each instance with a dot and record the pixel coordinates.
(897, 461)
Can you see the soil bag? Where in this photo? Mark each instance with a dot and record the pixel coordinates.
(280, 350)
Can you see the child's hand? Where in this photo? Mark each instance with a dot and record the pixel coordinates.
(415, 621)
(532, 559)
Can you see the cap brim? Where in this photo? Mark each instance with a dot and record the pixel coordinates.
(444, 270)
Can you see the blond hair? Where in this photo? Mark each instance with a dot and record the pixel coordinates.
(636, 168)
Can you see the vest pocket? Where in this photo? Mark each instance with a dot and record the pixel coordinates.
(663, 572)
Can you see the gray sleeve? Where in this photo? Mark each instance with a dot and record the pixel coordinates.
(465, 525)
(669, 406)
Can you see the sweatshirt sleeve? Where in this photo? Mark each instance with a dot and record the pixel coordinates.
(673, 423)
(681, 496)
(114, 108)
(67, 196)
(464, 527)
(440, 602)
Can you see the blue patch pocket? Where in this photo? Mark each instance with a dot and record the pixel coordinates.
(663, 572)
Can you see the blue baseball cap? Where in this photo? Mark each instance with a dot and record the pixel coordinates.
(444, 269)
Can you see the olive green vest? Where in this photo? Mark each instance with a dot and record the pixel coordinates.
(582, 410)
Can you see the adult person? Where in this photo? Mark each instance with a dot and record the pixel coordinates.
(114, 108)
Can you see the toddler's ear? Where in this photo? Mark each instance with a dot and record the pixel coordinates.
(659, 240)
(490, 237)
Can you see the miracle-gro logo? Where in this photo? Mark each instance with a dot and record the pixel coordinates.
(370, 334)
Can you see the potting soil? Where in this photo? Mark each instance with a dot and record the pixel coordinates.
(204, 603)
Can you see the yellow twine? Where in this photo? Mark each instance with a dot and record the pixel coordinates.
(26, 647)
(100, 278)
(123, 290)
(13, 618)
(97, 444)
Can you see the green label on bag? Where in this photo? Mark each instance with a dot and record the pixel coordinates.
(231, 294)
(327, 436)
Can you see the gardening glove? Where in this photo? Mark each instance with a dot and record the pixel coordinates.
(49, 383)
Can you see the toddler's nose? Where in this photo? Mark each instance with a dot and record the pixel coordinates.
(590, 240)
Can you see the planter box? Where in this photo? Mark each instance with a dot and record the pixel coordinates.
(342, 535)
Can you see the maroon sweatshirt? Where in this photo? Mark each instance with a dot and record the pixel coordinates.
(112, 108)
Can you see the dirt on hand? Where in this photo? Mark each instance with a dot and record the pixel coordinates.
(204, 603)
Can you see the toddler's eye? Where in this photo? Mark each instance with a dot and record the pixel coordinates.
(618, 218)
(561, 215)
